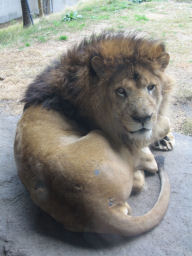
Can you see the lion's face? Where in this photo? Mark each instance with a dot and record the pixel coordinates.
(135, 103)
(130, 105)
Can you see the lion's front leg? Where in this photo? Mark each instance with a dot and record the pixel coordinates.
(164, 139)
(165, 144)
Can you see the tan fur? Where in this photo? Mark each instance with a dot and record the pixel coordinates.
(83, 175)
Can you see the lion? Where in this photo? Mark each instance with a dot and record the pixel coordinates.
(83, 142)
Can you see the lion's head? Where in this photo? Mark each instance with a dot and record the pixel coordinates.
(114, 82)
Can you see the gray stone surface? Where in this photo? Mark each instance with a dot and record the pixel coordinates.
(27, 231)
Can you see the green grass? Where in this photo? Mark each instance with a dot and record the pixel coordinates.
(48, 27)
(43, 30)
(64, 38)
(116, 14)
(141, 18)
(184, 1)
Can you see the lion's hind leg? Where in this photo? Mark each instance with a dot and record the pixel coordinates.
(122, 207)
(138, 181)
(147, 161)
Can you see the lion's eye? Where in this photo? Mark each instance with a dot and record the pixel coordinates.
(150, 87)
(121, 92)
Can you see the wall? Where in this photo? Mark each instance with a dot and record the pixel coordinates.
(11, 9)
(59, 5)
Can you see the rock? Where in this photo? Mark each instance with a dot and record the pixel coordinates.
(27, 231)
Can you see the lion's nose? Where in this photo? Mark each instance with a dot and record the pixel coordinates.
(141, 119)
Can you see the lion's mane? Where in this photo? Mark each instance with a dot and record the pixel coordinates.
(68, 84)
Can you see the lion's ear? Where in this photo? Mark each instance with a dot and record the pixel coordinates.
(163, 61)
(97, 65)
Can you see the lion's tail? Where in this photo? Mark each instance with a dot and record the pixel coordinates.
(115, 221)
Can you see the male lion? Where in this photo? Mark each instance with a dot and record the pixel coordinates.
(82, 143)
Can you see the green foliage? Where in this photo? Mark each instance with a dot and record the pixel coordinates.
(71, 16)
(42, 39)
(100, 17)
(56, 23)
(27, 44)
(98, 7)
(64, 38)
(140, 1)
(141, 17)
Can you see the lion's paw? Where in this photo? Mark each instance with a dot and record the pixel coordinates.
(123, 207)
(138, 181)
(126, 209)
(165, 144)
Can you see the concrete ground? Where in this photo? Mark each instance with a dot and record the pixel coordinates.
(27, 231)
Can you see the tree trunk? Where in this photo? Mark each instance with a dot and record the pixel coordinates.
(46, 7)
(40, 8)
(25, 14)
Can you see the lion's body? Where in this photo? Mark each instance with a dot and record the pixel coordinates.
(87, 124)
(87, 167)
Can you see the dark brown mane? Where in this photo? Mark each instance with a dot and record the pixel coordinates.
(64, 84)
